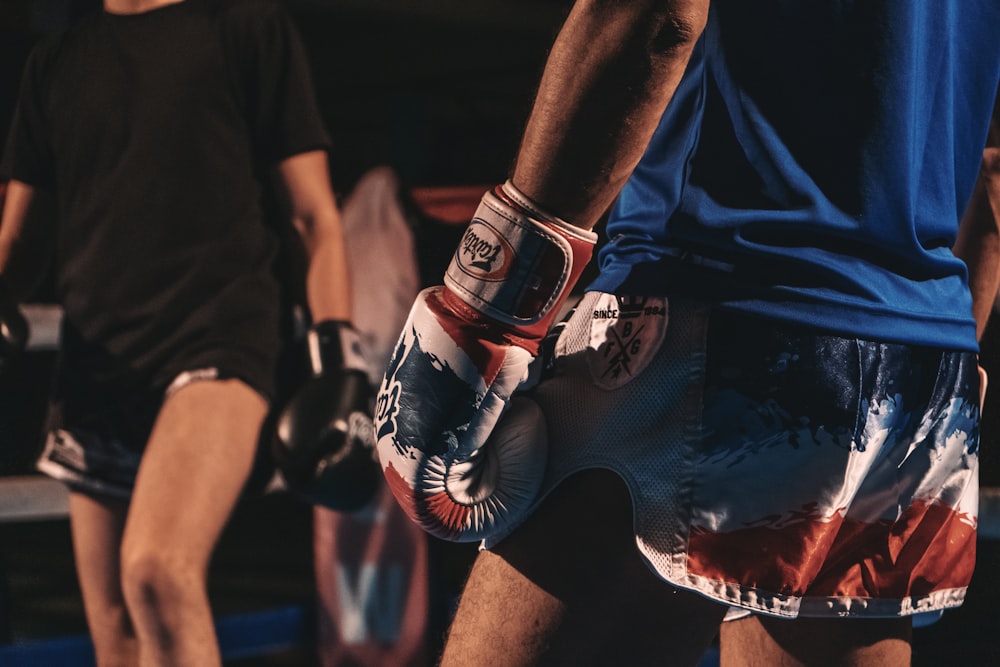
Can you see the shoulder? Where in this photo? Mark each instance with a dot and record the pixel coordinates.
(60, 45)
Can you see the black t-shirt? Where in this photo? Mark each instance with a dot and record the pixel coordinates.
(152, 130)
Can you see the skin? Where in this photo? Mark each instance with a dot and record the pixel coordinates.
(612, 70)
(186, 488)
(978, 242)
(569, 588)
(136, 6)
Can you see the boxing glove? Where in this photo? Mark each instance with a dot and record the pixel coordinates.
(323, 443)
(465, 349)
(13, 327)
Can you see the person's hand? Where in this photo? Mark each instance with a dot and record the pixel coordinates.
(323, 442)
(13, 328)
(464, 350)
(983, 381)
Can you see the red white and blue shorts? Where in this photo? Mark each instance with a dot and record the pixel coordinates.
(774, 468)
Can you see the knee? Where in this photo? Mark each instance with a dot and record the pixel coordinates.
(156, 585)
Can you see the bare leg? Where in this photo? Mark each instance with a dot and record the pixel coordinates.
(569, 588)
(194, 468)
(811, 642)
(97, 526)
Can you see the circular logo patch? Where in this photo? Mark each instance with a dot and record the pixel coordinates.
(625, 333)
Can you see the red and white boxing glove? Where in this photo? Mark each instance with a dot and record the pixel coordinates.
(464, 350)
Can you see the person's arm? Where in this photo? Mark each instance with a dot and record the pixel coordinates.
(978, 242)
(468, 345)
(323, 435)
(23, 240)
(314, 214)
(21, 265)
(611, 73)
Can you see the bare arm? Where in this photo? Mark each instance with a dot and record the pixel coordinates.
(24, 239)
(978, 242)
(317, 220)
(612, 71)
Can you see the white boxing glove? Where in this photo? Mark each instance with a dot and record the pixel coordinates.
(464, 350)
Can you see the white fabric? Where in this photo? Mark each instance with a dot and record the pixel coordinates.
(383, 264)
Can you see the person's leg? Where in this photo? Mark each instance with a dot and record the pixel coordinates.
(813, 642)
(97, 525)
(196, 462)
(569, 588)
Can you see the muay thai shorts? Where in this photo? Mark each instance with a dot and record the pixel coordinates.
(772, 467)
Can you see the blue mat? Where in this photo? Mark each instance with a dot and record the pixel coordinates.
(240, 636)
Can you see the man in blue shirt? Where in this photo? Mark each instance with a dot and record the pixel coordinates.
(765, 408)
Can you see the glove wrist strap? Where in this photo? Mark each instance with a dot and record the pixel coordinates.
(516, 264)
(13, 326)
(334, 345)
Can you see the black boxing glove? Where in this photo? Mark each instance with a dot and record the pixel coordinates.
(13, 327)
(324, 439)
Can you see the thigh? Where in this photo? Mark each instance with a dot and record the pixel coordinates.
(196, 462)
(814, 642)
(569, 587)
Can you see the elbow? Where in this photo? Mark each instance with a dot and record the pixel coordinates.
(676, 28)
(665, 27)
(990, 167)
(316, 229)
(989, 176)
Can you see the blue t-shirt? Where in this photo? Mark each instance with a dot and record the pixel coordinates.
(813, 167)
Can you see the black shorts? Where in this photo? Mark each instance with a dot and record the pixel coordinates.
(96, 435)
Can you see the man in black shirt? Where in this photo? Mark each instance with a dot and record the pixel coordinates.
(152, 122)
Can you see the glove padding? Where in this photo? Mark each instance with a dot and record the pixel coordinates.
(323, 443)
(465, 349)
(487, 493)
(13, 328)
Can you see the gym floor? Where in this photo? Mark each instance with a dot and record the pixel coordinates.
(263, 566)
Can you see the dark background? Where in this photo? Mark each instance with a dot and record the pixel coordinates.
(439, 90)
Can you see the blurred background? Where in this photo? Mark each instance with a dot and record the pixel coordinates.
(438, 91)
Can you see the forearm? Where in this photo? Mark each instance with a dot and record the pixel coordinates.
(312, 208)
(23, 242)
(327, 278)
(611, 73)
(978, 241)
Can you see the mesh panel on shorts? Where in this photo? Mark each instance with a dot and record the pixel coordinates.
(639, 430)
